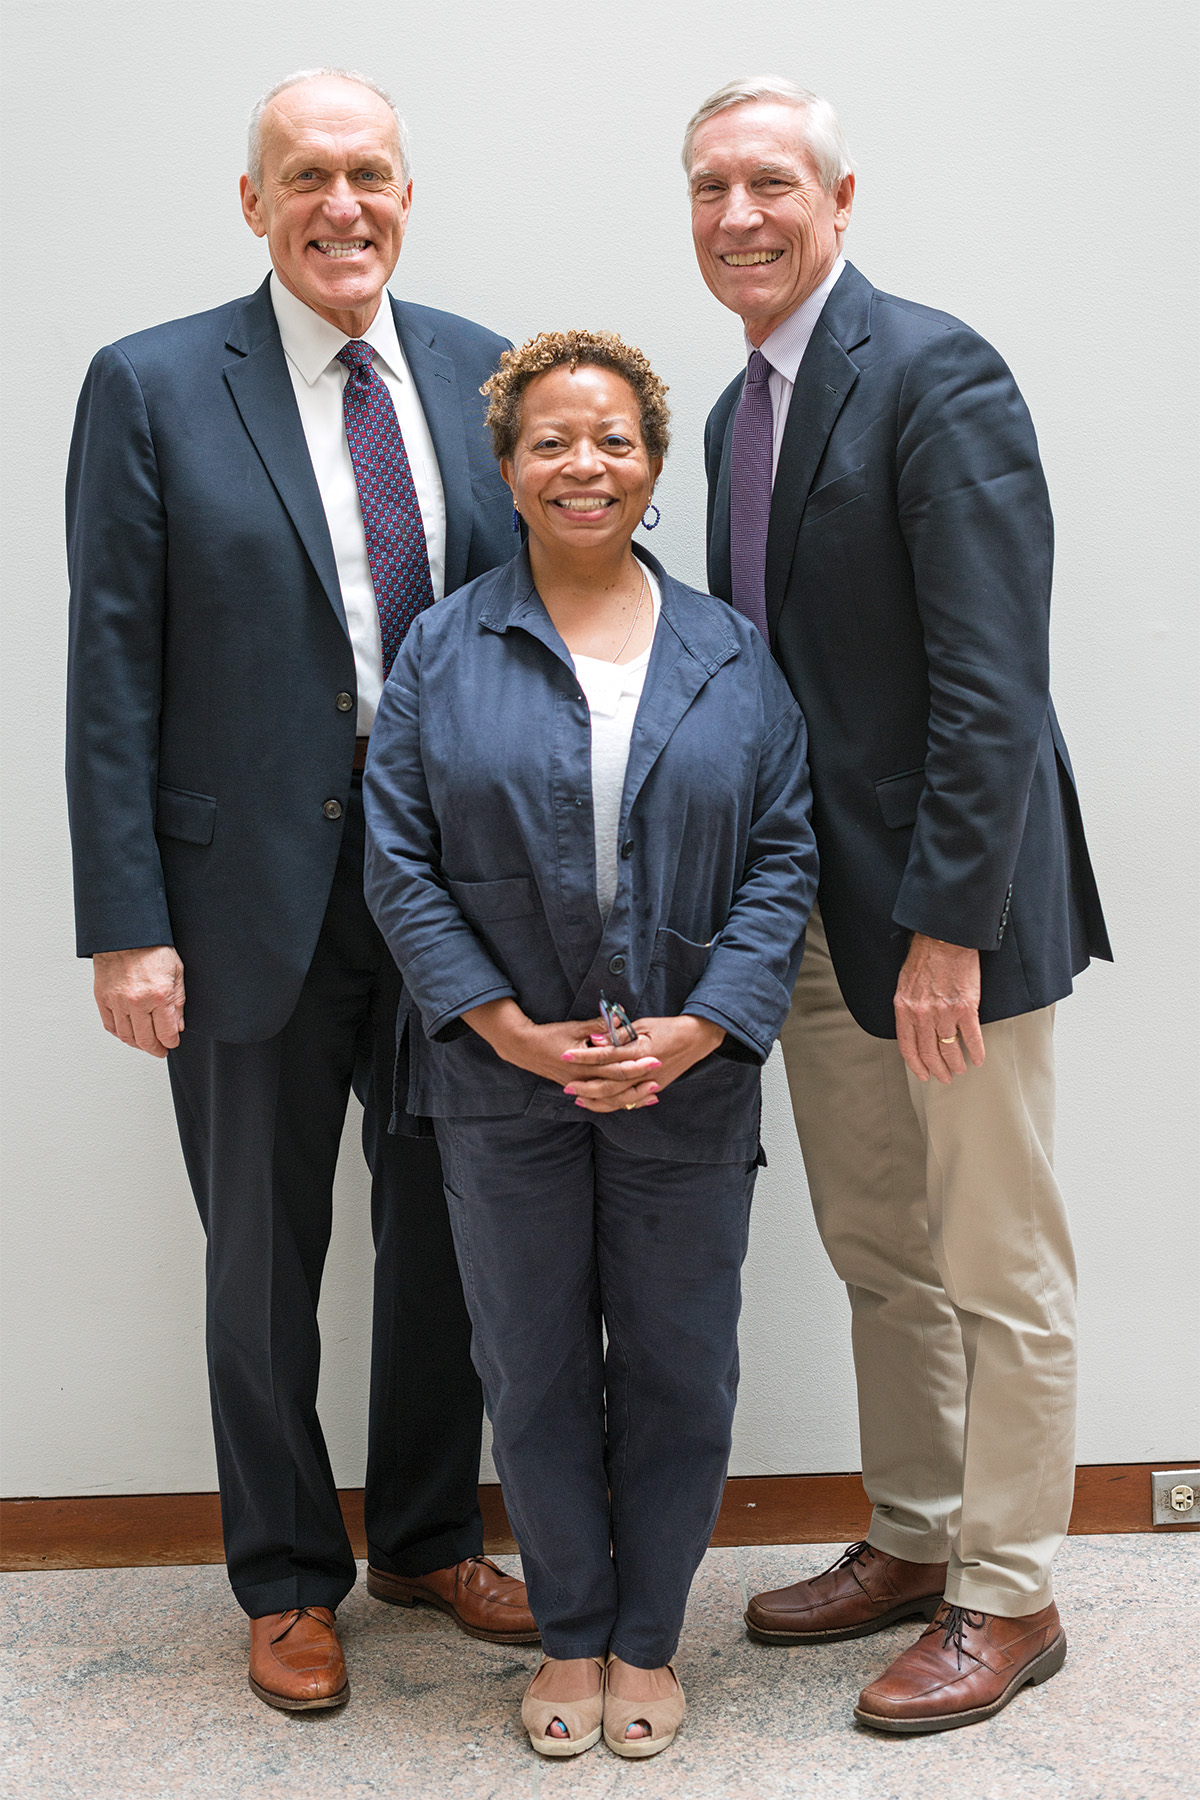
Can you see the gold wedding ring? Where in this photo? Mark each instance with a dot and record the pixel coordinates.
(631, 1106)
(951, 1040)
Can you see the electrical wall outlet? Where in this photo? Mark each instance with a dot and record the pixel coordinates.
(1176, 1496)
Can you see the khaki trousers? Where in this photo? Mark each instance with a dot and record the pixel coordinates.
(939, 1210)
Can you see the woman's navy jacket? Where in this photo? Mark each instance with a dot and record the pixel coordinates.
(481, 865)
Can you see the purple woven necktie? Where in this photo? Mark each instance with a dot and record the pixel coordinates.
(750, 493)
(396, 548)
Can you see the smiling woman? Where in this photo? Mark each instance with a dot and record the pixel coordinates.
(591, 856)
(579, 424)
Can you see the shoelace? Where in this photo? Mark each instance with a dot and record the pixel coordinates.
(855, 1553)
(954, 1622)
(298, 1613)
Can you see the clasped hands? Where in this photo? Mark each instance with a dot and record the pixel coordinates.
(576, 1054)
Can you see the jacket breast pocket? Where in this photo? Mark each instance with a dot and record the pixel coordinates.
(180, 814)
(675, 967)
(835, 494)
(489, 486)
(899, 796)
(489, 902)
(507, 918)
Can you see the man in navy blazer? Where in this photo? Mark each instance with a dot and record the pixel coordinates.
(877, 504)
(226, 659)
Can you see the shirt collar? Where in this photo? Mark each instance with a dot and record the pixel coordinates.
(311, 343)
(785, 347)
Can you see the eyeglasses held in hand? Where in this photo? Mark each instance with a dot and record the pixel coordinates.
(616, 1023)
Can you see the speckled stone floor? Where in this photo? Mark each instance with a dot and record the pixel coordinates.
(131, 1683)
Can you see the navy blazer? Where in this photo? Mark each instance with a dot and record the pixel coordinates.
(908, 600)
(208, 724)
(481, 861)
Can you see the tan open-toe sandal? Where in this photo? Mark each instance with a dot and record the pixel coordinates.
(664, 1717)
(582, 1718)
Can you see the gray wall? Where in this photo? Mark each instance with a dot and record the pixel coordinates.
(1021, 164)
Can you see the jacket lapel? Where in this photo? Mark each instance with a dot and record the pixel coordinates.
(436, 381)
(687, 652)
(262, 392)
(720, 569)
(823, 384)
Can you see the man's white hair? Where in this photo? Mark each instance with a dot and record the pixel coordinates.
(823, 134)
(254, 166)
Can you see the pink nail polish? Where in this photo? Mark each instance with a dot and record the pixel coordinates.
(654, 1087)
(569, 1090)
(568, 1056)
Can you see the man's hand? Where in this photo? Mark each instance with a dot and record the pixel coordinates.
(937, 1004)
(140, 996)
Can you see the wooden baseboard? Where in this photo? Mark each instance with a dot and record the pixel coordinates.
(122, 1531)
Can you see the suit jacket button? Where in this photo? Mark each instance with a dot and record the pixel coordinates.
(627, 847)
(616, 965)
(345, 702)
(332, 809)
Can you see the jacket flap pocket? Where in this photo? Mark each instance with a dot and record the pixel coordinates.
(179, 814)
(899, 796)
(485, 902)
(489, 484)
(837, 493)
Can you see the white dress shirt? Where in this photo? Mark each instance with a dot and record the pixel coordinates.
(311, 346)
(613, 692)
(784, 350)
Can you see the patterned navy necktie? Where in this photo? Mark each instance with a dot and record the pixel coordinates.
(750, 492)
(395, 531)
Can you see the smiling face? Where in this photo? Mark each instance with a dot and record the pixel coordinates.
(581, 475)
(766, 232)
(333, 204)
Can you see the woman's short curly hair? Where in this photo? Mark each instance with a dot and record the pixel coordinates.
(575, 349)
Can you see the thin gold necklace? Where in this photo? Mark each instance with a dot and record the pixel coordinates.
(637, 613)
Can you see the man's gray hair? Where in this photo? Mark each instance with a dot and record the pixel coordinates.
(254, 166)
(823, 134)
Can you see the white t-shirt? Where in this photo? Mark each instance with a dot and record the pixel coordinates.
(612, 691)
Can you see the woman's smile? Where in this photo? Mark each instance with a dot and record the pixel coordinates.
(584, 505)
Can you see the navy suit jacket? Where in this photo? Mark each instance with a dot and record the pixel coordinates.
(208, 643)
(908, 599)
(481, 863)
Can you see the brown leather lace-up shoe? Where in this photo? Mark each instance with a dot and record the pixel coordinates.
(862, 1592)
(296, 1661)
(963, 1668)
(484, 1601)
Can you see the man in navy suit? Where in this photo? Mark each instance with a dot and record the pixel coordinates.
(260, 500)
(877, 506)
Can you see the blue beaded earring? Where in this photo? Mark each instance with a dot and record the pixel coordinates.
(646, 524)
(516, 520)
